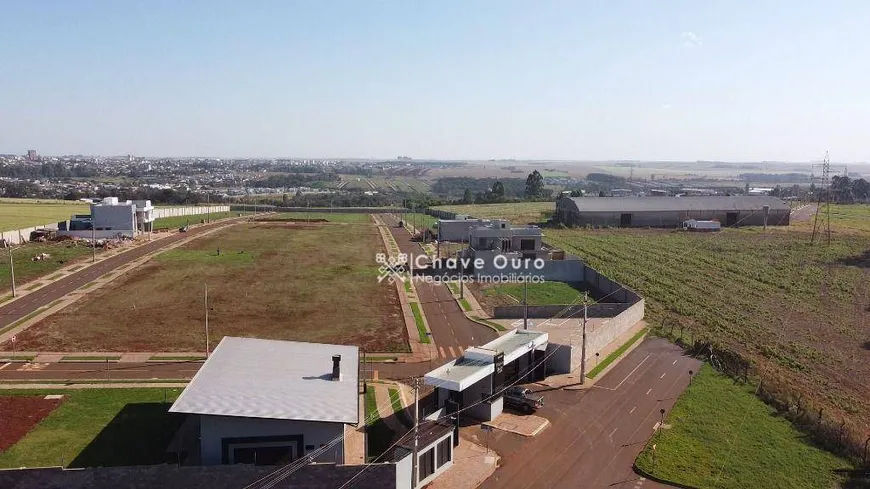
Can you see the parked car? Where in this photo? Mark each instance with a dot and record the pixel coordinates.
(522, 399)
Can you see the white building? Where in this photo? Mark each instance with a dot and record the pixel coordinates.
(496, 248)
(476, 380)
(110, 218)
(271, 402)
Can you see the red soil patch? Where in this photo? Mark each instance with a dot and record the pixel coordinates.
(20, 414)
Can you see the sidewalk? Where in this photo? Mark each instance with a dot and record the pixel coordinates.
(472, 464)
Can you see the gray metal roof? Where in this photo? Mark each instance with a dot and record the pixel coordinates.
(257, 378)
(677, 204)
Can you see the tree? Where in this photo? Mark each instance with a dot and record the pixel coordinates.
(601, 193)
(498, 191)
(467, 197)
(534, 185)
(746, 188)
(861, 189)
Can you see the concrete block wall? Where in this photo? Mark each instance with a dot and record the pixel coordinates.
(161, 212)
(22, 235)
(602, 310)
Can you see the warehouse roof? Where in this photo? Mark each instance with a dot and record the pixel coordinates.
(678, 204)
(256, 378)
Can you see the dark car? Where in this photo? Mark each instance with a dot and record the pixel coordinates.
(522, 399)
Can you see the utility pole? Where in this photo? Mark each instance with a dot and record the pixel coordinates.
(206, 321)
(414, 468)
(93, 238)
(525, 304)
(12, 270)
(207, 208)
(583, 347)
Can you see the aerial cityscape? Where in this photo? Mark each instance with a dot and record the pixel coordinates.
(452, 246)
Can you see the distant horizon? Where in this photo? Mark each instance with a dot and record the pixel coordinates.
(445, 160)
(672, 81)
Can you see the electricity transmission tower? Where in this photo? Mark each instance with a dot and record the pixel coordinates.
(824, 199)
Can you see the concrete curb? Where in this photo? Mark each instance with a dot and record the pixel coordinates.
(653, 478)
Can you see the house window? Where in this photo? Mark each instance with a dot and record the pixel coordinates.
(427, 464)
(445, 451)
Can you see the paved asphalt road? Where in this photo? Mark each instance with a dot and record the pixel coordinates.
(73, 371)
(16, 310)
(453, 332)
(595, 434)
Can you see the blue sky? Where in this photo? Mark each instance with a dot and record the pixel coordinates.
(662, 80)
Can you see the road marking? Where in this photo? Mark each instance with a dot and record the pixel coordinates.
(452, 353)
(632, 410)
(441, 348)
(663, 376)
(675, 362)
(5, 365)
(612, 432)
(627, 376)
(647, 392)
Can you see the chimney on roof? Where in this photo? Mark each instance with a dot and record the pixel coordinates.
(336, 367)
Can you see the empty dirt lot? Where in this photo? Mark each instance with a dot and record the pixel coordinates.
(270, 280)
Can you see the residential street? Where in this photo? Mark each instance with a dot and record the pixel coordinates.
(596, 434)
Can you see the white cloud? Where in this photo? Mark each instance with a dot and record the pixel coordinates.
(691, 40)
(666, 106)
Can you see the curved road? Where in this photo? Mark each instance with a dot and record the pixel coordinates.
(21, 307)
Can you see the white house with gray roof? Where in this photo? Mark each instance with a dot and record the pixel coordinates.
(270, 402)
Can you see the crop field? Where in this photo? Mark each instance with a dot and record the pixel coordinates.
(25, 213)
(520, 213)
(799, 313)
(278, 280)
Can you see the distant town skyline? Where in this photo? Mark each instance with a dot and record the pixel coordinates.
(553, 81)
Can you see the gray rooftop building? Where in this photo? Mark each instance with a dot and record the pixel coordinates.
(670, 212)
(272, 402)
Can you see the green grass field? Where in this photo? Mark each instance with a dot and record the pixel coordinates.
(520, 213)
(342, 217)
(418, 320)
(539, 294)
(25, 213)
(26, 270)
(105, 427)
(271, 280)
(176, 222)
(723, 436)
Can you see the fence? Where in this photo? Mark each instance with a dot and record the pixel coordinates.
(20, 236)
(835, 435)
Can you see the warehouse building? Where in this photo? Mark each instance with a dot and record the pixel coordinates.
(269, 402)
(670, 212)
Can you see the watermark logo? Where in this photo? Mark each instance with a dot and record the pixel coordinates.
(391, 268)
(498, 268)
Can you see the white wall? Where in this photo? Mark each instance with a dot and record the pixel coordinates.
(160, 212)
(213, 429)
(22, 235)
